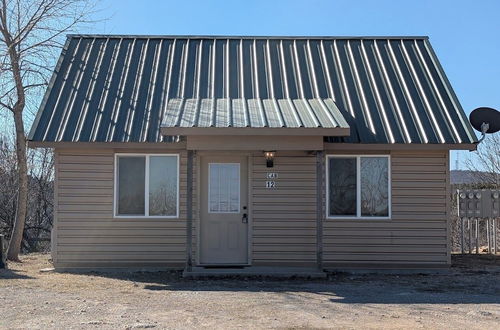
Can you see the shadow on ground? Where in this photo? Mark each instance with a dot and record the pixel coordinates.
(9, 274)
(462, 285)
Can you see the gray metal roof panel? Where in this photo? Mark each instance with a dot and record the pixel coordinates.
(121, 88)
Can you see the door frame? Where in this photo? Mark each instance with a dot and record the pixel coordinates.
(197, 220)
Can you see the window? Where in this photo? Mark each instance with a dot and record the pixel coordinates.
(358, 187)
(146, 185)
(224, 188)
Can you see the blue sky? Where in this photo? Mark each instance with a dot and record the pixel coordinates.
(464, 34)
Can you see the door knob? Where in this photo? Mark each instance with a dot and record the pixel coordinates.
(244, 218)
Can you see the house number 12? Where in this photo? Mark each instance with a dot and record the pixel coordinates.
(270, 184)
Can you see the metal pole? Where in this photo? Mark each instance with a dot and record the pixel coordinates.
(495, 235)
(189, 201)
(469, 227)
(462, 241)
(488, 234)
(320, 169)
(477, 235)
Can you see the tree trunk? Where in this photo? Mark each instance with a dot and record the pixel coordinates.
(22, 197)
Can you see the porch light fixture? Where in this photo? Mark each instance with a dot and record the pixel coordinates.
(269, 155)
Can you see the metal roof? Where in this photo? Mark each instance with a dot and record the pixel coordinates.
(134, 88)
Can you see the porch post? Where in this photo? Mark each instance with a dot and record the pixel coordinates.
(320, 170)
(189, 215)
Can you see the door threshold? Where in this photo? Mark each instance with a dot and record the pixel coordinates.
(222, 266)
(254, 271)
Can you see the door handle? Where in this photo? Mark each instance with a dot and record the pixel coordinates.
(244, 218)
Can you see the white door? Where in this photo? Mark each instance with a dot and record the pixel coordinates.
(223, 213)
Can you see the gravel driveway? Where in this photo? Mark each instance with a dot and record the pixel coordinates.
(466, 297)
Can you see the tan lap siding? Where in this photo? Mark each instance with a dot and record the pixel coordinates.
(417, 232)
(87, 234)
(284, 218)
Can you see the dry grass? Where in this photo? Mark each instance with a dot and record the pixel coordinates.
(466, 297)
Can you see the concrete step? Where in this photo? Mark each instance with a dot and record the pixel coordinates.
(272, 272)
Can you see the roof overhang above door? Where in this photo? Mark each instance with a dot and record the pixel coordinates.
(257, 131)
(256, 117)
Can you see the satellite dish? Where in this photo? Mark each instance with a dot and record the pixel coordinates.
(485, 120)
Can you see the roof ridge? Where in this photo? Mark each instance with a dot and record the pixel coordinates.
(83, 35)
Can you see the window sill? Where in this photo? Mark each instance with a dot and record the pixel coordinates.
(360, 218)
(145, 217)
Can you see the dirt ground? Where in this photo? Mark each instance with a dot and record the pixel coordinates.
(468, 296)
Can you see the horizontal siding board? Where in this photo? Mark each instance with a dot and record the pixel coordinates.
(118, 232)
(416, 200)
(292, 192)
(291, 247)
(416, 192)
(138, 224)
(383, 240)
(283, 199)
(159, 258)
(72, 192)
(390, 224)
(399, 248)
(283, 256)
(407, 232)
(123, 240)
(123, 248)
(289, 157)
(289, 206)
(405, 183)
(271, 232)
(288, 239)
(84, 199)
(426, 177)
(89, 167)
(391, 258)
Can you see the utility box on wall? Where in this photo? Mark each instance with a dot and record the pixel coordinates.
(479, 203)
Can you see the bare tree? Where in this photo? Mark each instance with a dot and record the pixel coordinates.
(485, 163)
(39, 215)
(31, 35)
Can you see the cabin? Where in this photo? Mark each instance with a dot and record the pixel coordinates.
(195, 152)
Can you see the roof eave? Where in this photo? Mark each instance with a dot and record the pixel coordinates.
(399, 146)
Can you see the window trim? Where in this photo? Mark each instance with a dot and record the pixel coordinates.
(146, 187)
(358, 215)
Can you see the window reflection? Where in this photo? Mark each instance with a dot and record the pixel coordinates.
(374, 186)
(131, 173)
(342, 186)
(163, 185)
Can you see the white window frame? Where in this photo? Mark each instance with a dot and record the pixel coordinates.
(239, 189)
(358, 187)
(146, 187)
